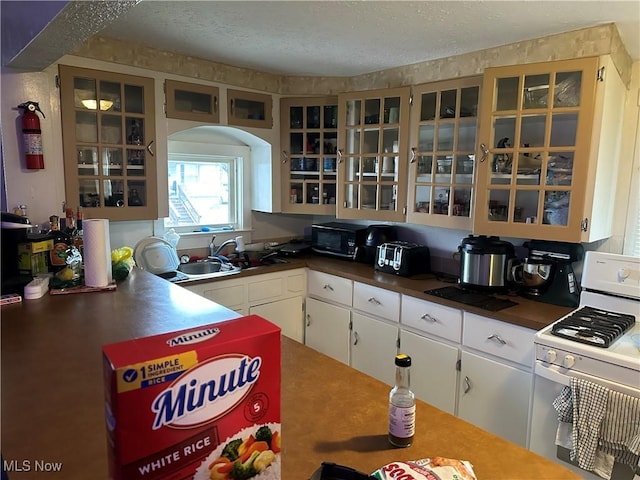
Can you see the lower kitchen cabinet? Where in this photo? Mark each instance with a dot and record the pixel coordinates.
(276, 296)
(434, 377)
(374, 345)
(327, 329)
(287, 314)
(495, 396)
(496, 376)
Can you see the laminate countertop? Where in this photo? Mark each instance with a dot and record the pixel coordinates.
(53, 395)
(526, 313)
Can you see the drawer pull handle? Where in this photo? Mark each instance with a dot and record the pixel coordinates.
(355, 338)
(467, 384)
(374, 301)
(308, 320)
(430, 318)
(497, 338)
(328, 287)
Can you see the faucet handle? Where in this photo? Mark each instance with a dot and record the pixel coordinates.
(240, 244)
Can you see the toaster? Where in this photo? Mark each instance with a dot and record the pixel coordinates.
(403, 258)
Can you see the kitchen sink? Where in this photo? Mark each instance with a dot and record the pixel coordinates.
(210, 269)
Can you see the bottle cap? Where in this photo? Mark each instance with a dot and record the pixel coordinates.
(403, 360)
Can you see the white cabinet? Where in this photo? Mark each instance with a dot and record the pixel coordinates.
(373, 347)
(328, 314)
(434, 378)
(284, 313)
(276, 296)
(430, 334)
(374, 331)
(327, 329)
(495, 376)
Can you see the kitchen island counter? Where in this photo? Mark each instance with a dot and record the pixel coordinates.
(53, 395)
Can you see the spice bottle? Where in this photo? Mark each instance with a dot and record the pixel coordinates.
(402, 405)
(61, 243)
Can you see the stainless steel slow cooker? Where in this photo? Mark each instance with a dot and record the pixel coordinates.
(486, 263)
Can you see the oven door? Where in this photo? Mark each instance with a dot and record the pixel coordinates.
(548, 383)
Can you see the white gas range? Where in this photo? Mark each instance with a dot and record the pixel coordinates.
(598, 342)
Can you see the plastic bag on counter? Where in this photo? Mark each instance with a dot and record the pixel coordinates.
(427, 469)
(122, 262)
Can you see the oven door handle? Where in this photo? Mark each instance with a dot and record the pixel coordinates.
(553, 373)
(563, 376)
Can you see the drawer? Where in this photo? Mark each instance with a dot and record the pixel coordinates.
(428, 317)
(501, 339)
(330, 287)
(376, 301)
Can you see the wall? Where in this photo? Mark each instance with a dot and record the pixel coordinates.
(43, 191)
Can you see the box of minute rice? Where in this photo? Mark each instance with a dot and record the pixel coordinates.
(201, 403)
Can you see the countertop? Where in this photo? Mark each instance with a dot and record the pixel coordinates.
(527, 313)
(53, 403)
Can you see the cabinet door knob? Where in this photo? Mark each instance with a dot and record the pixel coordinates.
(355, 338)
(149, 149)
(374, 300)
(285, 157)
(467, 384)
(339, 153)
(496, 338)
(485, 152)
(413, 156)
(328, 287)
(308, 320)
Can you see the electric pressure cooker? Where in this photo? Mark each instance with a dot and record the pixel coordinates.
(486, 263)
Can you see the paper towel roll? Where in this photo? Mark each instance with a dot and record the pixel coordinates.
(97, 252)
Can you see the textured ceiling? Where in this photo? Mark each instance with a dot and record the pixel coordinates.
(305, 37)
(345, 38)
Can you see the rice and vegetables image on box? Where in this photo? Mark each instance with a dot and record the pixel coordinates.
(202, 403)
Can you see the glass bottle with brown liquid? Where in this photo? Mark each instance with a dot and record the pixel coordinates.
(402, 405)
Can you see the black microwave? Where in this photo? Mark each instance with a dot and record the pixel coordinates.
(339, 239)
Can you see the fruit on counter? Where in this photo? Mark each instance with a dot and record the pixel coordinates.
(121, 262)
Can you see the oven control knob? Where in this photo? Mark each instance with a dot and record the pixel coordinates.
(623, 274)
(569, 361)
(551, 356)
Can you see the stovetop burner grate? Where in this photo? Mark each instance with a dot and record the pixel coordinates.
(593, 326)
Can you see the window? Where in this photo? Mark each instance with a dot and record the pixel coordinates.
(204, 191)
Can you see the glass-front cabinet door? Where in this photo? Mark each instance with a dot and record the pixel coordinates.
(533, 149)
(372, 154)
(249, 109)
(190, 101)
(444, 121)
(309, 139)
(108, 129)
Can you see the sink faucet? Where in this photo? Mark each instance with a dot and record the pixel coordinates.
(215, 252)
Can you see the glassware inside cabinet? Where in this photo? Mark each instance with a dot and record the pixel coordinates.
(89, 192)
(137, 193)
(111, 161)
(87, 160)
(136, 162)
(445, 155)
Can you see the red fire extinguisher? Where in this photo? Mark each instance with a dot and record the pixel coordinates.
(32, 135)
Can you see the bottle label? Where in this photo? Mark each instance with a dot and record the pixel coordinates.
(402, 421)
(58, 255)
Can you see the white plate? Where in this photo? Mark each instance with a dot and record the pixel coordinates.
(156, 255)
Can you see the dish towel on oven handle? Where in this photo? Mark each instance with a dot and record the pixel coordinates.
(598, 425)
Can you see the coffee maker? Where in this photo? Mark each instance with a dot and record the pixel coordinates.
(547, 274)
(14, 231)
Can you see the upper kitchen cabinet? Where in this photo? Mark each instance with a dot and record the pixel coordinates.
(373, 137)
(549, 150)
(309, 136)
(190, 101)
(248, 109)
(108, 131)
(444, 122)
